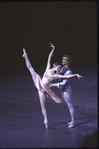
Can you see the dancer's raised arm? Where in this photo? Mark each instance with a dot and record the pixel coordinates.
(50, 56)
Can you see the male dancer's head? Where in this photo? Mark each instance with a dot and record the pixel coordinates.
(66, 60)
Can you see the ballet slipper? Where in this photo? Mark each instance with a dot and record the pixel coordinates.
(69, 123)
(46, 123)
(72, 124)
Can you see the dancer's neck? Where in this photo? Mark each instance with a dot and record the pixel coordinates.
(66, 66)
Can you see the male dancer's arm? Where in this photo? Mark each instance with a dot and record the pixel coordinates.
(64, 82)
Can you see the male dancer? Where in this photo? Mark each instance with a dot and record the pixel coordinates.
(65, 88)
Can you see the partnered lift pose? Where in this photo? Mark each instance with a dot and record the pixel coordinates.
(43, 84)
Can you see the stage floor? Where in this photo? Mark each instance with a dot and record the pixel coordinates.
(22, 121)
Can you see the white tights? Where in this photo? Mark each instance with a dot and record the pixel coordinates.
(67, 98)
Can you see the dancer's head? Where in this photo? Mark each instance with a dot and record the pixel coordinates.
(56, 66)
(66, 60)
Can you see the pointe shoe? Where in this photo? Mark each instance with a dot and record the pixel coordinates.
(46, 124)
(72, 124)
(24, 53)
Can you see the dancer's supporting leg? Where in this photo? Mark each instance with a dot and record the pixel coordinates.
(41, 94)
(42, 102)
(67, 99)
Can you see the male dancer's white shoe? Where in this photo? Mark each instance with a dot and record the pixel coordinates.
(69, 123)
(46, 123)
(72, 124)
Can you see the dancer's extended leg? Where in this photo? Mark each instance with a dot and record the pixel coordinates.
(36, 80)
(28, 64)
(34, 75)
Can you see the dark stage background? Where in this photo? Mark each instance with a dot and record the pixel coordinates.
(70, 26)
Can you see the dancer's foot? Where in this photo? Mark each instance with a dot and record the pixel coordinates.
(69, 123)
(72, 124)
(46, 123)
(24, 53)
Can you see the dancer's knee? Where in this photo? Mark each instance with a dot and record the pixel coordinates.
(42, 106)
(43, 110)
(69, 103)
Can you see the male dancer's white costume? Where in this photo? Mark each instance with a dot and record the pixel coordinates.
(66, 91)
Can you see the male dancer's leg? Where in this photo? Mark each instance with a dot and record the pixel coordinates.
(67, 98)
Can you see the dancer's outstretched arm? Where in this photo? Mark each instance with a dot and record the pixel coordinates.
(61, 84)
(68, 76)
(50, 56)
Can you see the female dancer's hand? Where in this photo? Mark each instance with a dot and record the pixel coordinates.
(79, 77)
(51, 84)
(51, 45)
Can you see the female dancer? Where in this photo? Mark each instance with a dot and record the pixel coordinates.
(43, 84)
